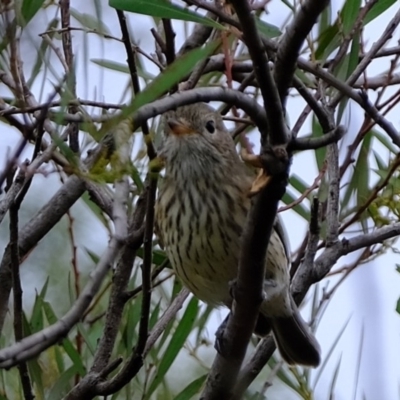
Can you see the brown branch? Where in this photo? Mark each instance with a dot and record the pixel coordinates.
(36, 343)
(393, 168)
(17, 292)
(73, 129)
(314, 185)
(312, 143)
(345, 42)
(169, 41)
(136, 360)
(276, 130)
(291, 42)
(134, 77)
(247, 291)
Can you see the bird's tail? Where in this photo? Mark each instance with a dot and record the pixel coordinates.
(296, 343)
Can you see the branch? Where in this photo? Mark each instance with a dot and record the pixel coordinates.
(206, 94)
(332, 213)
(312, 143)
(276, 131)
(136, 360)
(308, 274)
(44, 220)
(134, 77)
(73, 129)
(248, 288)
(12, 193)
(32, 345)
(250, 371)
(368, 57)
(17, 292)
(292, 40)
(198, 37)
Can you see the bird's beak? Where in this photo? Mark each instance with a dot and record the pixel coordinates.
(179, 128)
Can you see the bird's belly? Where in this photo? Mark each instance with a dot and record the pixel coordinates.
(206, 270)
(201, 235)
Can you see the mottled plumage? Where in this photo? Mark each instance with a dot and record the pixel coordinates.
(200, 214)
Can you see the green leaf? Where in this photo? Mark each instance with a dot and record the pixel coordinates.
(163, 9)
(384, 140)
(192, 389)
(379, 7)
(328, 355)
(100, 215)
(34, 368)
(29, 9)
(325, 19)
(36, 374)
(297, 183)
(59, 359)
(172, 75)
(398, 306)
(298, 208)
(133, 318)
(361, 174)
(202, 321)
(175, 345)
(354, 54)
(158, 256)
(112, 65)
(74, 356)
(91, 22)
(91, 344)
(41, 53)
(320, 154)
(66, 343)
(332, 386)
(329, 40)
(268, 30)
(349, 14)
(36, 321)
(63, 385)
(154, 315)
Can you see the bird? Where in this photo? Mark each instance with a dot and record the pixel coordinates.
(200, 213)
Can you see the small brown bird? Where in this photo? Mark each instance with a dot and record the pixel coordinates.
(200, 214)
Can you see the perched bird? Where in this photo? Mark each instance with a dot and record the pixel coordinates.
(200, 214)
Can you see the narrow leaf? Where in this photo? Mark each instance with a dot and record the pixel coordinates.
(268, 30)
(175, 345)
(63, 385)
(29, 9)
(192, 389)
(379, 7)
(163, 9)
(349, 14)
(172, 75)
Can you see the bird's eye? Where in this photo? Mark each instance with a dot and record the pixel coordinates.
(210, 126)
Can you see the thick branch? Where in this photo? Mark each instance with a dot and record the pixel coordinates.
(292, 40)
(34, 344)
(277, 129)
(247, 291)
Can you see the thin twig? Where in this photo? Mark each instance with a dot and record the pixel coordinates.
(17, 292)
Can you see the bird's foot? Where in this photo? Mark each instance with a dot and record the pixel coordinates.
(262, 178)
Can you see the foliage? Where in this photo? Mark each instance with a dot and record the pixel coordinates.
(108, 332)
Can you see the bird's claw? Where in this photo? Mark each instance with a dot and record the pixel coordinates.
(259, 183)
(262, 179)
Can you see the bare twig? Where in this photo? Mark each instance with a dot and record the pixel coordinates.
(134, 77)
(136, 361)
(34, 344)
(17, 292)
